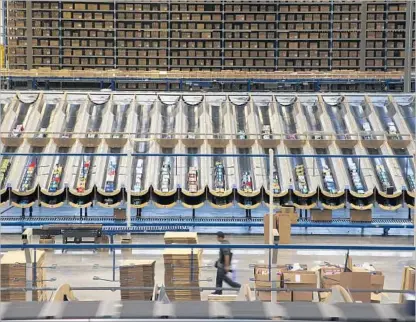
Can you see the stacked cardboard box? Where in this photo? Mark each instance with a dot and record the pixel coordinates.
(359, 277)
(14, 274)
(282, 220)
(182, 270)
(181, 238)
(408, 282)
(263, 280)
(287, 276)
(137, 273)
(301, 279)
(328, 277)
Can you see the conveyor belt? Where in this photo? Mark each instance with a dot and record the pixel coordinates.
(201, 222)
(197, 311)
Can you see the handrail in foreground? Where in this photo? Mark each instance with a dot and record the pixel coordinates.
(401, 248)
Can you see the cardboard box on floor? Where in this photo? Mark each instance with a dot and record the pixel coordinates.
(358, 278)
(408, 281)
(301, 279)
(262, 280)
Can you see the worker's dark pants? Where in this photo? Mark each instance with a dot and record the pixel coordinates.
(223, 277)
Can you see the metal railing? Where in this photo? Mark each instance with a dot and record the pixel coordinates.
(319, 156)
(310, 135)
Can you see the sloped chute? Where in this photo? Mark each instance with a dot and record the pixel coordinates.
(215, 100)
(333, 100)
(146, 99)
(192, 100)
(262, 100)
(53, 98)
(123, 99)
(169, 99)
(99, 99)
(6, 98)
(239, 100)
(286, 100)
(76, 99)
(28, 98)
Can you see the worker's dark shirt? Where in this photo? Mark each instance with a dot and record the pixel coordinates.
(224, 252)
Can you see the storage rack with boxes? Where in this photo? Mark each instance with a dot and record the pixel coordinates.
(142, 35)
(17, 32)
(184, 35)
(196, 36)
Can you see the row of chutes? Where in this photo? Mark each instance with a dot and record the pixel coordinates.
(216, 199)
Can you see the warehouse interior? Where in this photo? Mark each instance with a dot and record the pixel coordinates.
(175, 159)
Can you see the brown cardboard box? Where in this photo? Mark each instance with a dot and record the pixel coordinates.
(357, 280)
(321, 215)
(408, 281)
(119, 213)
(330, 276)
(301, 279)
(361, 215)
(262, 280)
(284, 228)
(291, 211)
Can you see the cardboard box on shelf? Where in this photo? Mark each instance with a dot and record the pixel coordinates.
(321, 215)
(360, 215)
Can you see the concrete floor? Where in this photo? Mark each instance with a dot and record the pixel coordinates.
(77, 267)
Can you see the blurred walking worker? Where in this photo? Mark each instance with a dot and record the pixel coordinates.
(223, 265)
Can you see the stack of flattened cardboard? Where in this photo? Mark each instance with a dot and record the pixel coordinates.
(181, 238)
(182, 270)
(14, 274)
(408, 282)
(137, 273)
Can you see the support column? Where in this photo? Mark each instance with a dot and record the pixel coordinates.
(29, 34)
(409, 50)
(363, 36)
(272, 254)
(128, 184)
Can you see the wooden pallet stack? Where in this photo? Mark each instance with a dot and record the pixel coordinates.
(182, 270)
(14, 274)
(181, 238)
(137, 273)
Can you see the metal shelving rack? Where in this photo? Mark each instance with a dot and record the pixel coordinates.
(140, 35)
